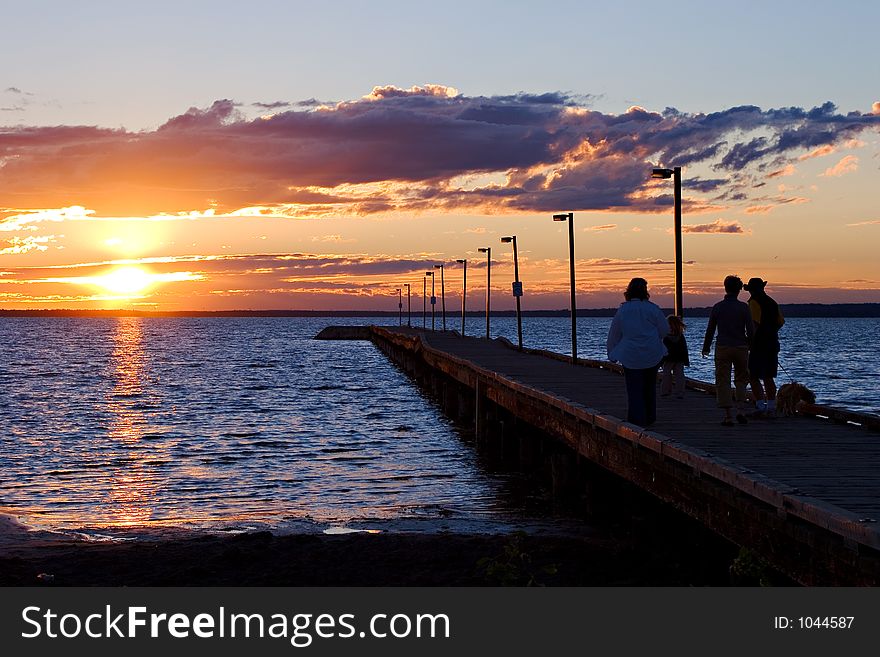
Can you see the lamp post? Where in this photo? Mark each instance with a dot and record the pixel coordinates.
(399, 307)
(569, 216)
(424, 302)
(408, 305)
(517, 288)
(463, 293)
(675, 174)
(442, 294)
(488, 251)
(433, 298)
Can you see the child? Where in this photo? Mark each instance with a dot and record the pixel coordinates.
(675, 359)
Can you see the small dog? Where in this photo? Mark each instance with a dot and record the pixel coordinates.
(789, 395)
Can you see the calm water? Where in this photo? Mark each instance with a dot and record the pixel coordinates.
(248, 422)
(837, 358)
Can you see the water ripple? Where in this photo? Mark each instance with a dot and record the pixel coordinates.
(129, 422)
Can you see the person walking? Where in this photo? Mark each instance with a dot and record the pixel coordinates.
(733, 321)
(675, 360)
(635, 340)
(764, 351)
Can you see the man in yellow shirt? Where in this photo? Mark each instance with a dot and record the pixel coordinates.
(764, 349)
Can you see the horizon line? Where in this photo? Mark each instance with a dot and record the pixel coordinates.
(864, 309)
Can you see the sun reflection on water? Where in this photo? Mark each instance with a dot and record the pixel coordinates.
(132, 487)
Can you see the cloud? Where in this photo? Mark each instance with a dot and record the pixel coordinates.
(717, 226)
(20, 245)
(430, 90)
(817, 152)
(874, 222)
(602, 227)
(704, 184)
(775, 202)
(336, 239)
(291, 265)
(787, 170)
(22, 100)
(397, 150)
(278, 104)
(258, 275)
(18, 220)
(848, 164)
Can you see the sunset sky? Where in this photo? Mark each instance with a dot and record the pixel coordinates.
(287, 155)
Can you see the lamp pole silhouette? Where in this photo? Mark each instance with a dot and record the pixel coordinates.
(442, 294)
(424, 302)
(488, 251)
(517, 288)
(433, 298)
(408, 305)
(569, 216)
(399, 307)
(463, 293)
(675, 174)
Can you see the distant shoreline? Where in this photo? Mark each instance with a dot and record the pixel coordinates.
(817, 310)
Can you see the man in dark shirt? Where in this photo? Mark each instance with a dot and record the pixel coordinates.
(733, 321)
(764, 352)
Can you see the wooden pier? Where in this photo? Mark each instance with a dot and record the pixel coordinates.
(803, 492)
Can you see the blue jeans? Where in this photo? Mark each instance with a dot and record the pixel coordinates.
(641, 395)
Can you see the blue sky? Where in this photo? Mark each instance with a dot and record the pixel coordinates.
(137, 63)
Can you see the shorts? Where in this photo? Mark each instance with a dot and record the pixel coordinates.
(763, 363)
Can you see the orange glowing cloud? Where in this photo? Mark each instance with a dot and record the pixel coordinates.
(818, 152)
(719, 226)
(787, 170)
(19, 245)
(847, 164)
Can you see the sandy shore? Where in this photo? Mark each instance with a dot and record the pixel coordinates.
(29, 558)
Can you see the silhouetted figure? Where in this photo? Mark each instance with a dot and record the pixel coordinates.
(635, 340)
(764, 352)
(733, 321)
(675, 360)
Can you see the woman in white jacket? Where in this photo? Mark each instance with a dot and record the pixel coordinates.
(635, 340)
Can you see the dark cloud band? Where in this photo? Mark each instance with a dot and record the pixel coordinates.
(398, 149)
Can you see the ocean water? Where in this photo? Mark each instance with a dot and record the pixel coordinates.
(114, 424)
(837, 358)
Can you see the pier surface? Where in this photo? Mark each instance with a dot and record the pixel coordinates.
(803, 492)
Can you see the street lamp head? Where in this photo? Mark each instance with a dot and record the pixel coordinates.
(440, 266)
(484, 249)
(506, 240)
(429, 273)
(561, 217)
(461, 262)
(661, 173)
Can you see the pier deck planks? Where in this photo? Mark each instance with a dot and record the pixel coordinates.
(837, 463)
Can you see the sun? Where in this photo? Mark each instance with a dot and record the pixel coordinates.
(126, 280)
(129, 281)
